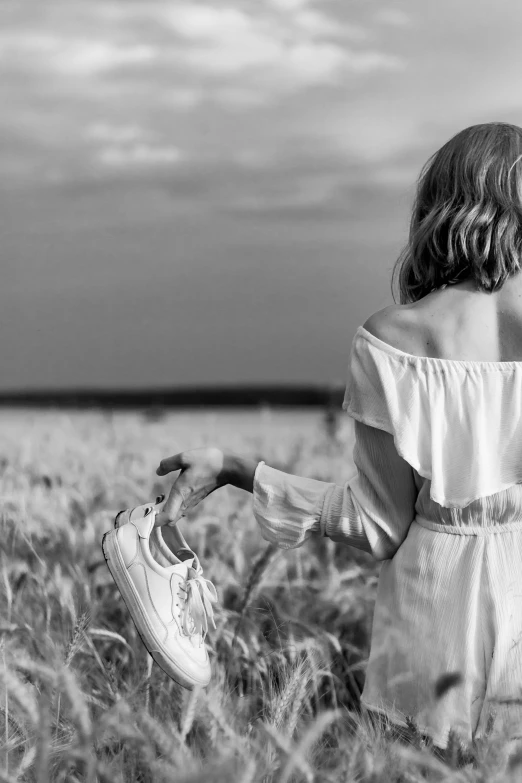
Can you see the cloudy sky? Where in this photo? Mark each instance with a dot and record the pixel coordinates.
(211, 193)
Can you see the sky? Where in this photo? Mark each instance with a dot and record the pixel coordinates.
(203, 193)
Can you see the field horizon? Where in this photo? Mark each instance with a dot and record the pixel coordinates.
(234, 396)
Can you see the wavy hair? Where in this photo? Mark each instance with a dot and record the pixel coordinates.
(467, 214)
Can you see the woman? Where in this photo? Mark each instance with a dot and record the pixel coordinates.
(435, 390)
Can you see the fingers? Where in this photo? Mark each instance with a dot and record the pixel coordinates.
(175, 505)
(169, 464)
(161, 519)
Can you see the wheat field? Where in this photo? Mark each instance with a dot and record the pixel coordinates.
(81, 699)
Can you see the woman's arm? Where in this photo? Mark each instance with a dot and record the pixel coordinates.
(240, 471)
(372, 511)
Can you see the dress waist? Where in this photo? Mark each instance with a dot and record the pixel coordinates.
(469, 530)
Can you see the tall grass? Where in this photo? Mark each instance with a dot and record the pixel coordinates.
(81, 700)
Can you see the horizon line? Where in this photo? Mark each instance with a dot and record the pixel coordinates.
(186, 396)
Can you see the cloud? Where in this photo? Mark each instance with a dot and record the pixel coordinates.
(277, 52)
(288, 5)
(320, 24)
(210, 23)
(138, 154)
(292, 195)
(76, 56)
(105, 132)
(303, 179)
(211, 41)
(156, 83)
(129, 146)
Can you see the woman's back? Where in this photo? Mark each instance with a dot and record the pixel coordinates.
(459, 322)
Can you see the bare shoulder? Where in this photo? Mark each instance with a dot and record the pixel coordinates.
(399, 326)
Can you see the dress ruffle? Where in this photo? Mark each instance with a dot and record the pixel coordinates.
(457, 423)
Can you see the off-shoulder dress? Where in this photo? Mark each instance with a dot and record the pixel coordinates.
(437, 498)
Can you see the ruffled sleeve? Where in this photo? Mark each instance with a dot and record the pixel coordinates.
(457, 423)
(372, 510)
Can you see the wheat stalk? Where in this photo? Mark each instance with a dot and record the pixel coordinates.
(23, 695)
(300, 693)
(314, 732)
(190, 712)
(103, 633)
(82, 720)
(258, 569)
(43, 740)
(70, 651)
(79, 709)
(160, 736)
(6, 710)
(287, 705)
(45, 672)
(284, 701)
(77, 638)
(216, 710)
(28, 759)
(150, 662)
(277, 742)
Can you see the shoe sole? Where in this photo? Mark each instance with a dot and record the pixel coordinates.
(116, 566)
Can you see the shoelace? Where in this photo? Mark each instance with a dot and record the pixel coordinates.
(200, 594)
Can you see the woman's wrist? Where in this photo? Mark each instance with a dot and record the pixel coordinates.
(240, 471)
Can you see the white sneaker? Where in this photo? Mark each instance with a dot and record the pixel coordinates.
(171, 605)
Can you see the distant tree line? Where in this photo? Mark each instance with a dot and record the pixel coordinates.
(210, 396)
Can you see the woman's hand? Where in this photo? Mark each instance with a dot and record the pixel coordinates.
(202, 471)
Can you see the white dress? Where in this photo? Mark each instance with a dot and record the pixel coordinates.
(438, 499)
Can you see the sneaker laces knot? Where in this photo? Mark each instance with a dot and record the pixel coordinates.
(200, 594)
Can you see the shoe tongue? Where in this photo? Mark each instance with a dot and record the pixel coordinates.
(187, 559)
(179, 568)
